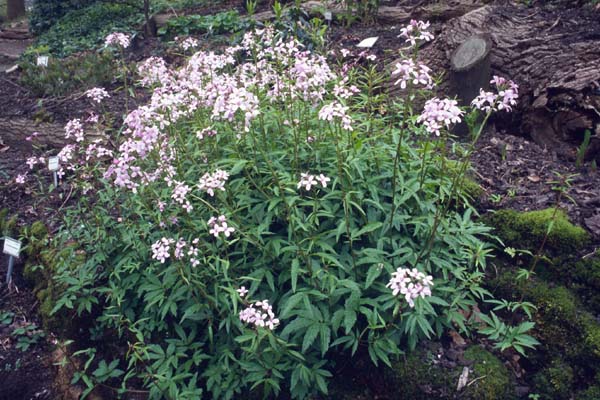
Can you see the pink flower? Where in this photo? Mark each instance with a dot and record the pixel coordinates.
(97, 95)
(439, 114)
(74, 128)
(20, 179)
(242, 291)
(508, 93)
(416, 30)
(336, 110)
(117, 39)
(411, 283)
(411, 73)
(215, 181)
(218, 226)
(31, 161)
(161, 249)
(261, 317)
(307, 181)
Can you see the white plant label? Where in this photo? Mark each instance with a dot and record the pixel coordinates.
(368, 42)
(328, 16)
(53, 164)
(42, 61)
(12, 247)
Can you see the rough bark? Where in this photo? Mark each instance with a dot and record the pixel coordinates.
(554, 59)
(13, 132)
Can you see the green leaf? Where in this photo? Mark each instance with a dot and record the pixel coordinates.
(366, 229)
(310, 336)
(372, 274)
(294, 273)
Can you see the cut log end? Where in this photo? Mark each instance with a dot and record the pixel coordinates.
(471, 53)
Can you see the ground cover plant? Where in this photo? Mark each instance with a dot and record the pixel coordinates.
(266, 213)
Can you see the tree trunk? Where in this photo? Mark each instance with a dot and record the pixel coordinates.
(553, 58)
(15, 9)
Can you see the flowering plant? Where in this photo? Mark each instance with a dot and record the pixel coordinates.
(256, 221)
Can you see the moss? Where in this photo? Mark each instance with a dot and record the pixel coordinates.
(493, 378)
(417, 371)
(591, 393)
(554, 382)
(421, 376)
(563, 327)
(591, 335)
(59, 322)
(526, 230)
(471, 188)
(582, 276)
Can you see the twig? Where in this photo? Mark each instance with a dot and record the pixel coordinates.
(475, 380)
(553, 25)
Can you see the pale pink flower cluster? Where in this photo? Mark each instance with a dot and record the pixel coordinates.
(161, 250)
(223, 87)
(179, 194)
(218, 226)
(97, 94)
(307, 181)
(439, 114)
(32, 161)
(343, 91)
(20, 179)
(261, 317)
(117, 39)
(187, 43)
(74, 128)
(336, 110)
(508, 93)
(154, 71)
(411, 284)
(416, 30)
(412, 73)
(242, 291)
(215, 181)
(206, 132)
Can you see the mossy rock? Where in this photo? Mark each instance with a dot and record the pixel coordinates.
(420, 376)
(526, 230)
(582, 276)
(493, 377)
(554, 382)
(59, 322)
(563, 327)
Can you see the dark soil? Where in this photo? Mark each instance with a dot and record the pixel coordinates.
(514, 172)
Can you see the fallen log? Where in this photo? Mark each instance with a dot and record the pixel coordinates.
(553, 58)
(14, 132)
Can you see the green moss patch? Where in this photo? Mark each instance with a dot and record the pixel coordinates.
(421, 376)
(526, 230)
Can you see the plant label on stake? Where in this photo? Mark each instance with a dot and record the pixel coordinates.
(368, 42)
(12, 247)
(328, 16)
(42, 61)
(53, 165)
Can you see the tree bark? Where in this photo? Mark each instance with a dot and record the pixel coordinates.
(15, 9)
